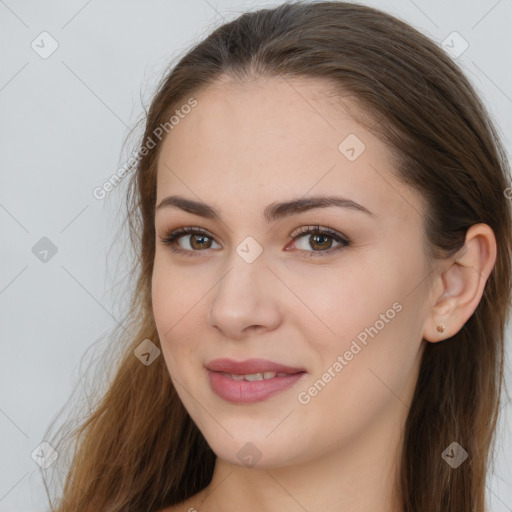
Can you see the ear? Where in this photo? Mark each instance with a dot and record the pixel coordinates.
(460, 285)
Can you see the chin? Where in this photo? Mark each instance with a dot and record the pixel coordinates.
(254, 450)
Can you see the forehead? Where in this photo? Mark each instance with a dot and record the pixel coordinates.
(271, 139)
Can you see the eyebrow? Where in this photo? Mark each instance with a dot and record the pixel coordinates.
(272, 212)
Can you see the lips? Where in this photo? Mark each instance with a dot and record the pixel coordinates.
(250, 366)
(252, 380)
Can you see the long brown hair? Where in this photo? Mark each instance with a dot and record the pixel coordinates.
(137, 448)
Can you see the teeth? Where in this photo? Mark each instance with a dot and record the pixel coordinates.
(256, 376)
(253, 376)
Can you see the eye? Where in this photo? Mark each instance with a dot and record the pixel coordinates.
(197, 239)
(320, 240)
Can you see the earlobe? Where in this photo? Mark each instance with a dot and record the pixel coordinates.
(462, 284)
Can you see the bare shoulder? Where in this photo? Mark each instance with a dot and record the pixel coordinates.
(189, 505)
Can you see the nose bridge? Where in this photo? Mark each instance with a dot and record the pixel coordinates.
(244, 277)
(244, 296)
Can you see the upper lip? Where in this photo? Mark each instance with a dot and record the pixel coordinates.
(250, 366)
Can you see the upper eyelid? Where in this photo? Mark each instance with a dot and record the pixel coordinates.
(297, 233)
(189, 230)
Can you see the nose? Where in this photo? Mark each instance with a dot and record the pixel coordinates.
(245, 300)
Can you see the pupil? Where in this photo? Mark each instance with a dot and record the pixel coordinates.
(201, 239)
(325, 238)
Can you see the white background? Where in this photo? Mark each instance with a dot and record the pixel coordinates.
(62, 126)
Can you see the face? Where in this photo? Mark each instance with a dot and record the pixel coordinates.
(333, 289)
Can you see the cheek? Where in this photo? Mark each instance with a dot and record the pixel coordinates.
(363, 311)
(162, 298)
(173, 294)
(178, 301)
(335, 304)
(378, 338)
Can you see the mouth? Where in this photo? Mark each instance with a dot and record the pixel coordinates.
(252, 380)
(252, 377)
(250, 367)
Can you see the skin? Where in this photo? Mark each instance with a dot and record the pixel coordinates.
(246, 146)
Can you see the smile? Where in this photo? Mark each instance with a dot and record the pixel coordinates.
(251, 388)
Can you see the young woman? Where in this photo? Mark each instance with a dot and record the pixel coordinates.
(324, 279)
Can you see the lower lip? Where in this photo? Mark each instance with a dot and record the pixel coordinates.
(246, 392)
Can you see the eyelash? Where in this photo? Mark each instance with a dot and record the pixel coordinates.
(171, 238)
